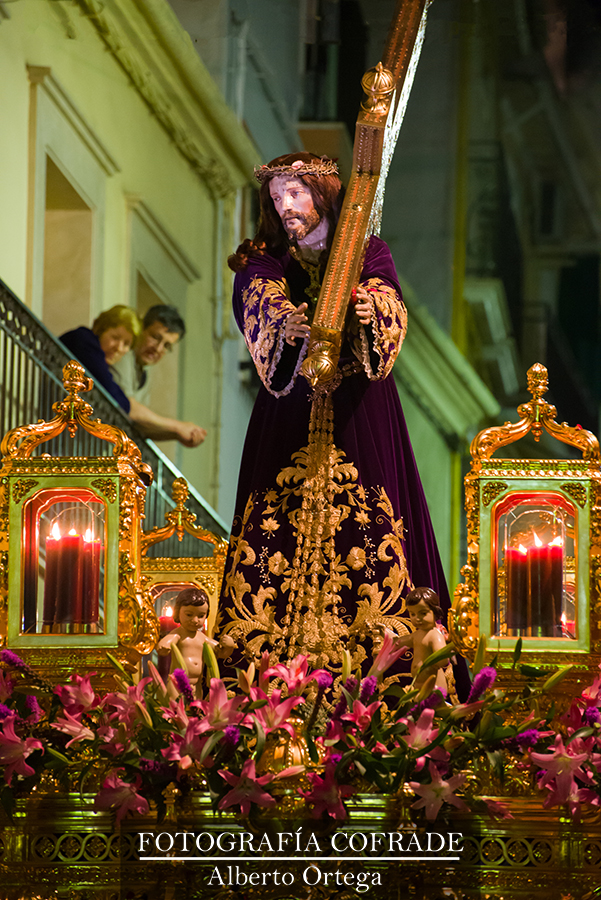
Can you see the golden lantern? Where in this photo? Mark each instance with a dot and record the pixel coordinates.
(70, 544)
(534, 543)
(163, 577)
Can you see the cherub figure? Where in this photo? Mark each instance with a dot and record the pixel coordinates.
(423, 606)
(190, 611)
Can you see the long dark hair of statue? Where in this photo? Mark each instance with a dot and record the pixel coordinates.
(327, 194)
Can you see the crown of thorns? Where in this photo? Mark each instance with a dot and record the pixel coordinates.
(323, 166)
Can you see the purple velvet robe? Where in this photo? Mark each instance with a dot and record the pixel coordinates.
(331, 526)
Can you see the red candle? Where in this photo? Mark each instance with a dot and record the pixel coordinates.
(50, 581)
(167, 623)
(70, 579)
(534, 590)
(516, 566)
(91, 581)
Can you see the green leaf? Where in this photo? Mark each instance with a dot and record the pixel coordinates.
(59, 756)
(115, 662)
(260, 740)
(439, 656)
(532, 671)
(213, 740)
(312, 749)
(517, 652)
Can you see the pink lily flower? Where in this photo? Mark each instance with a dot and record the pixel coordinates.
(263, 679)
(176, 713)
(362, 715)
(74, 726)
(326, 795)
(121, 796)
(246, 789)
(219, 711)
(188, 747)
(421, 732)
(124, 704)
(388, 655)
(561, 768)
(15, 750)
(334, 732)
(274, 714)
(294, 675)
(433, 795)
(497, 810)
(78, 696)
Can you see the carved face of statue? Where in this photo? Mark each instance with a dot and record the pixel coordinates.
(294, 205)
(421, 616)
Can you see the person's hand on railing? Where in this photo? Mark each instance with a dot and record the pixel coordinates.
(191, 435)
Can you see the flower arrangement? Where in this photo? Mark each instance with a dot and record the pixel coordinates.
(147, 735)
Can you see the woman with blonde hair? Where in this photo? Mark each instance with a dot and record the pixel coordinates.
(98, 348)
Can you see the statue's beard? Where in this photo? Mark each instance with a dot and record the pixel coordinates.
(298, 226)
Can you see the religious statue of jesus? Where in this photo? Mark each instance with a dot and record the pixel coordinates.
(331, 528)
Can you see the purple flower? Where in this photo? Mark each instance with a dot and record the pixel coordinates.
(182, 683)
(33, 707)
(340, 709)
(324, 681)
(430, 702)
(591, 716)
(368, 688)
(5, 712)
(482, 682)
(159, 768)
(11, 659)
(231, 736)
(350, 684)
(528, 738)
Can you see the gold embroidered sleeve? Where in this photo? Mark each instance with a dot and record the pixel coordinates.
(377, 345)
(266, 308)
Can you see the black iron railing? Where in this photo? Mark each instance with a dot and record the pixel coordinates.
(31, 363)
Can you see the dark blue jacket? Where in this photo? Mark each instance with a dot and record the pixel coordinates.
(85, 345)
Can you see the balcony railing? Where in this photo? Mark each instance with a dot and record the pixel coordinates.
(31, 363)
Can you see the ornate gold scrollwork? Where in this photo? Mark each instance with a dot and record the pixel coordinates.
(535, 415)
(22, 487)
(464, 620)
(577, 491)
(180, 520)
(107, 488)
(491, 491)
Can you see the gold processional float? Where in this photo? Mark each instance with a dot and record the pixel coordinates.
(73, 526)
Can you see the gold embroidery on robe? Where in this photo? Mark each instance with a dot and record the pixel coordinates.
(315, 495)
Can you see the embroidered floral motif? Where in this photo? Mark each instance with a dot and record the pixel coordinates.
(388, 326)
(317, 494)
(267, 306)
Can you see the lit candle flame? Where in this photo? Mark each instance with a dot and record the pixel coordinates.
(168, 611)
(55, 532)
(563, 618)
(72, 532)
(537, 540)
(556, 542)
(88, 536)
(523, 549)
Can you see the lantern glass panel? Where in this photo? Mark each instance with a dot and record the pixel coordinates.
(535, 571)
(64, 563)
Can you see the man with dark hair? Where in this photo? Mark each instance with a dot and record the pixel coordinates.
(162, 328)
(331, 528)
